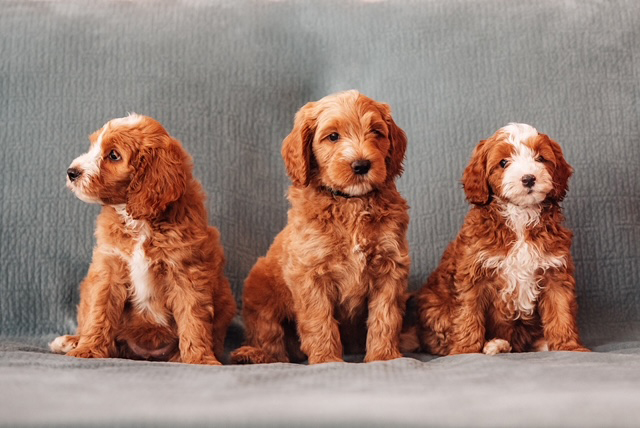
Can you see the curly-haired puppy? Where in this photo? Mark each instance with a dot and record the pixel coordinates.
(155, 288)
(337, 274)
(507, 281)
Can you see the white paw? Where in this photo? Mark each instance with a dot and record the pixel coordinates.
(63, 344)
(496, 346)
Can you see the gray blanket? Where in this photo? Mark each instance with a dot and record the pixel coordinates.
(534, 389)
(226, 77)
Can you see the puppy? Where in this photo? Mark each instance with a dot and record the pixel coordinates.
(507, 281)
(155, 288)
(337, 274)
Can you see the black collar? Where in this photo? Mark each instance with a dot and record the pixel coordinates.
(342, 194)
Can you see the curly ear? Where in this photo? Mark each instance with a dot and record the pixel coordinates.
(398, 148)
(296, 147)
(160, 178)
(562, 171)
(474, 179)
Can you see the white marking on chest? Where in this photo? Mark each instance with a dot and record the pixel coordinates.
(141, 278)
(520, 266)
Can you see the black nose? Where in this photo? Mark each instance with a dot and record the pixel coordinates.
(361, 166)
(528, 180)
(73, 174)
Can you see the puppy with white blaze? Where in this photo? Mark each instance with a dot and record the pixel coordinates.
(507, 281)
(156, 288)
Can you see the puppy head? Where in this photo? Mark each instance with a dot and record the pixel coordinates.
(132, 161)
(346, 142)
(518, 165)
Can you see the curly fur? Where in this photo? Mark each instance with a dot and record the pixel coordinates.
(155, 288)
(335, 278)
(507, 281)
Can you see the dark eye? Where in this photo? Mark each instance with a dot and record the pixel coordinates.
(503, 163)
(378, 133)
(334, 136)
(540, 159)
(114, 156)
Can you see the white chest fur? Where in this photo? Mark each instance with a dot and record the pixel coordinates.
(520, 268)
(139, 269)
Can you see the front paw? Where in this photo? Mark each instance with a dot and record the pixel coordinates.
(496, 346)
(64, 344)
(322, 359)
(86, 352)
(390, 354)
(209, 360)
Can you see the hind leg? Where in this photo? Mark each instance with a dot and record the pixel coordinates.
(267, 304)
(265, 344)
(89, 288)
(501, 337)
(224, 311)
(435, 315)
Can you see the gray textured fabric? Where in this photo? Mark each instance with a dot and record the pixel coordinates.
(536, 389)
(226, 78)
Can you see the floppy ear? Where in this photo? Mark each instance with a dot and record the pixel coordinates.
(160, 178)
(561, 171)
(474, 179)
(296, 147)
(398, 148)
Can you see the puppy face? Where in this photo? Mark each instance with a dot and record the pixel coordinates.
(518, 165)
(132, 161)
(347, 141)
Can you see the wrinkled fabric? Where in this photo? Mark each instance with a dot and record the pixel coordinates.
(226, 78)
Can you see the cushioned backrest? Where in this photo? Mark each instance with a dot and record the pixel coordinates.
(227, 77)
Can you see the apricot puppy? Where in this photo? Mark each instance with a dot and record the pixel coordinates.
(337, 274)
(155, 288)
(507, 281)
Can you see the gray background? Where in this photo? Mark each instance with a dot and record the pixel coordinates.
(226, 79)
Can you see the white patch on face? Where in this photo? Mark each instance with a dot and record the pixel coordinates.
(520, 267)
(83, 196)
(89, 163)
(89, 166)
(518, 133)
(131, 120)
(521, 164)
